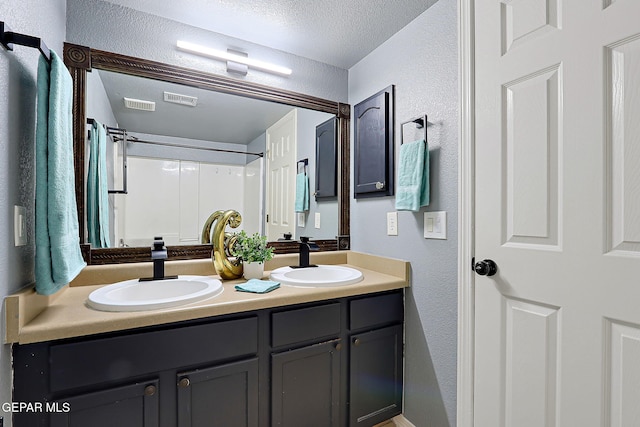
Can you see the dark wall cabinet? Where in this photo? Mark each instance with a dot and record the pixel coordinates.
(327, 160)
(374, 147)
(335, 363)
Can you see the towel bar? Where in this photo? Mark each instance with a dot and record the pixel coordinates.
(8, 38)
(421, 123)
(304, 163)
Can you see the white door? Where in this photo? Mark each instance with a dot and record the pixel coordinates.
(557, 329)
(281, 176)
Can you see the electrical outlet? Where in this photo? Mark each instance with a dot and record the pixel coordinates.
(317, 220)
(435, 225)
(392, 223)
(20, 225)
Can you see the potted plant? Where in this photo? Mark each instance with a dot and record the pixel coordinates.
(253, 252)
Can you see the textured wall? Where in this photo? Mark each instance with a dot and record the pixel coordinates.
(118, 29)
(45, 19)
(421, 60)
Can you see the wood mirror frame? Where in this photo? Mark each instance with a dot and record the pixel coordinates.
(81, 59)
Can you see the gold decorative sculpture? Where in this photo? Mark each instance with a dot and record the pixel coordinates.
(222, 242)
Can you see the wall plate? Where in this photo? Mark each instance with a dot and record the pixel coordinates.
(435, 225)
(392, 223)
(20, 225)
(317, 220)
(301, 219)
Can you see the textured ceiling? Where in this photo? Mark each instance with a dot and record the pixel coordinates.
(336, 32)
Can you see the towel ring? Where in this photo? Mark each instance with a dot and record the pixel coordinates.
(420, 122)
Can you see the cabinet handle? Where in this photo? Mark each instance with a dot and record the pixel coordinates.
(184, 383)
(150, 390)
(356, 342)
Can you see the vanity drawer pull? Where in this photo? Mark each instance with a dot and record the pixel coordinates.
(184, 383)
(356, 342)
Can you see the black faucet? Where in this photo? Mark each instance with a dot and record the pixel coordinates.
(158, 255)
(305, 247)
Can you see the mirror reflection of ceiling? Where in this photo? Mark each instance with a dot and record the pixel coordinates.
(336, 32)
(216, 117)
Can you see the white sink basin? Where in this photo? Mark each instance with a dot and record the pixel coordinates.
(133, 295)
(316, 277)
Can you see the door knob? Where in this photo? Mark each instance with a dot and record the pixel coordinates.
(486, 267)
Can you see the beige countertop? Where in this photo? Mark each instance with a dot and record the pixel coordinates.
(35, 318)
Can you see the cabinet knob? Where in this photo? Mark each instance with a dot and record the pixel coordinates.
(338, 346)
(150, 390)
(184, 382)
(356, 342)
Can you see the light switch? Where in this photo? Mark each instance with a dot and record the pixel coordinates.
(19, 225)
(392, 223)
(317, 220)
(435, 225)
(301, 219)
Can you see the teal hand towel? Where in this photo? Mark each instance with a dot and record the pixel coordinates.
(58, 257)
(258, 286)
(302, 193)
(97, 188)
(413, 176)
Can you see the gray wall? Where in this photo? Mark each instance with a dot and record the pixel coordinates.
(421, 60)
(45, 19)
(118, 29)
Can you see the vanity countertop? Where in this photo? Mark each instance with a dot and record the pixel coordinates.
(36, 318)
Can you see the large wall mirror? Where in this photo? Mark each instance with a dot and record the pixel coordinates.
(183, 163)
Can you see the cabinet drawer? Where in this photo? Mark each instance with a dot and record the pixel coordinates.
(304, 324)
(378, 310)
(116, 358)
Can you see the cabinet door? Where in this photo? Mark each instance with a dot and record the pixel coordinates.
(326, 159)
(225, 395)
(133, 405)
(375, 392)
(305, 387)
(373, 134)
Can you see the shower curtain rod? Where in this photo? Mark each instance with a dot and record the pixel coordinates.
(168, 144)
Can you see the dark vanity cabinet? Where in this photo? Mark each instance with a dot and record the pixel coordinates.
(191, 374)
(224, 395)
(305, 366)
(331, 363)
(375, 359)
(129, 405)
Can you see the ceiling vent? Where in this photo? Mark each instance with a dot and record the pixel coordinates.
(176, 98)
(139, 104)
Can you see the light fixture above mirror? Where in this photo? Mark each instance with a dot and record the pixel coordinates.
(233, 58)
